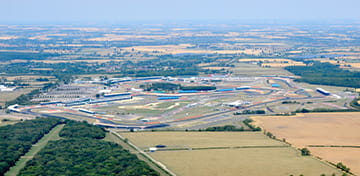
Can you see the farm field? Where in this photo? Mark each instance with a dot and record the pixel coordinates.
(173, 78)
(226, 153)
(339, 129)
(336, 154)
(276, 62)
(200, 139)
(245, 69)
(8, 96)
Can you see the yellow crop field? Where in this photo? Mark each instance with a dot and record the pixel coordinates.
(353, 65)
(336, 129)
(284, 64)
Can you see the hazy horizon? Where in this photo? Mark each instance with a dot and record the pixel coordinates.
(112, 11)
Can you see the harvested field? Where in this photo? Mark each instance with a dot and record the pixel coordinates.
(339, 129)
(314, 128)
(242, 162)
(353, 65)
(344, 155)
(228, 153)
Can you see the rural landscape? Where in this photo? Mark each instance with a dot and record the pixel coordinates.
(180, 98)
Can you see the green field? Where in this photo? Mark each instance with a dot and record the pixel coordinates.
(244, 69)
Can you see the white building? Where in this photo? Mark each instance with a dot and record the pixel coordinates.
(6, 89)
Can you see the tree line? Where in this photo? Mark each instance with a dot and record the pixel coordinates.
(326, 74)
(83, 152)
(17, 139)
(74, 129)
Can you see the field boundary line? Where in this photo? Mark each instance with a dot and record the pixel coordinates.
(336, 146)
(214, 148)
(159, 164)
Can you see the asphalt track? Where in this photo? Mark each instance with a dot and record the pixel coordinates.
(160, 124)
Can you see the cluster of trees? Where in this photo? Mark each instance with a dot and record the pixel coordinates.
(160, 86)
(161, 72)
(24, 99)
(7, 56)
(42, 79)
(290, 102)
(247, 122)
(355, 103)
(326, 74)
(250, 112)
(84, 153)
(172, 87)
(85, 156)
(27, 68)
(17, 139)
(270, 135)
(342, 167)
(305, 152)
(224, 128)
(75, 129)
(166, 65)
(199, 88)
(304, 110)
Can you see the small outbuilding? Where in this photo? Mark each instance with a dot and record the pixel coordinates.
(152, 149)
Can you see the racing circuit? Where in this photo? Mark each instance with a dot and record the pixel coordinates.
(139, 109)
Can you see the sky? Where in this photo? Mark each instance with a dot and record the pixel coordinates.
(97, 11)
